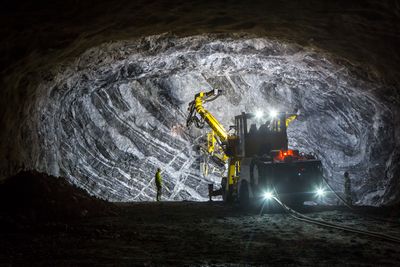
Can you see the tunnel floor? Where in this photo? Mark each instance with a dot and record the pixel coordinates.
(200, 233)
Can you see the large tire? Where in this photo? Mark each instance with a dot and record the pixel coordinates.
(254, 178)
(244, 193)
(224, 180)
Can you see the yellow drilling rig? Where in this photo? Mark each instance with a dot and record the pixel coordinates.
(258, 159)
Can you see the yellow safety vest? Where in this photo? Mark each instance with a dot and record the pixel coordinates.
(158, 179)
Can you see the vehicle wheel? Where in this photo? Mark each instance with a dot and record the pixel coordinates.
(254, 178)
(223, 188)
(244, 193)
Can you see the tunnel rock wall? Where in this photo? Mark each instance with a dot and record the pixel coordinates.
(108, 119)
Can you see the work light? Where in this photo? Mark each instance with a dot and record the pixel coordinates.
(259, 114)
(273, 113)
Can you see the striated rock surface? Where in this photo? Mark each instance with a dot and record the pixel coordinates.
(108, 119)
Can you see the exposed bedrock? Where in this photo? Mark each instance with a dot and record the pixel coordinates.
(108, 119)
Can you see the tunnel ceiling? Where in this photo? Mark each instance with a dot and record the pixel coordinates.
(103, 103)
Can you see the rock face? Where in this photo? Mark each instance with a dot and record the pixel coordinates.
(110, 118)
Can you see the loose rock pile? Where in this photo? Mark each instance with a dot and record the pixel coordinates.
(33, 197)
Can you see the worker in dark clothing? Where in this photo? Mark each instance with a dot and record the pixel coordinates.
(347, 188)
(158, 181)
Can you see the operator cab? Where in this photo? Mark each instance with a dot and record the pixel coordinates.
(261, 136)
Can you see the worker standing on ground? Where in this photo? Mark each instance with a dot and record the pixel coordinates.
(158, 181)
(347, 188)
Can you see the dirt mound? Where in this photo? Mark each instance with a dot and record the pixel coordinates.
(34, 197)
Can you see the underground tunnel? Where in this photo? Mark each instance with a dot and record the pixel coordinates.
(108, 118)
(103, 104)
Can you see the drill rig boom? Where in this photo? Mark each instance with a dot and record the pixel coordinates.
(197, 105)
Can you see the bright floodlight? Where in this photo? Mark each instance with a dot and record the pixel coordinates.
(320, 192)
(273, 113)
(259, 114)
(268, 195)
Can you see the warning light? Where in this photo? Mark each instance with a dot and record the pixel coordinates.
(284, 154)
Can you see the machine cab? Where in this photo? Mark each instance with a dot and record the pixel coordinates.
(259, 135)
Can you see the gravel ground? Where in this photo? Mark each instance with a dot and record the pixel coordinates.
(201, 234)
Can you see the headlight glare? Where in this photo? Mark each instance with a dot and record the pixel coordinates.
(268, 195)
(320, 192)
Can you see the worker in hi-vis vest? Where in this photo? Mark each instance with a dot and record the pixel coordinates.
(158, 181)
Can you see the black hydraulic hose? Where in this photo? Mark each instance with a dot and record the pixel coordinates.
(211, 96)
(307, 219)
(211, 99)
(354, 209)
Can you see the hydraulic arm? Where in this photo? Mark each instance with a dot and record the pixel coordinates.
(206, 116)
(218, 131)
